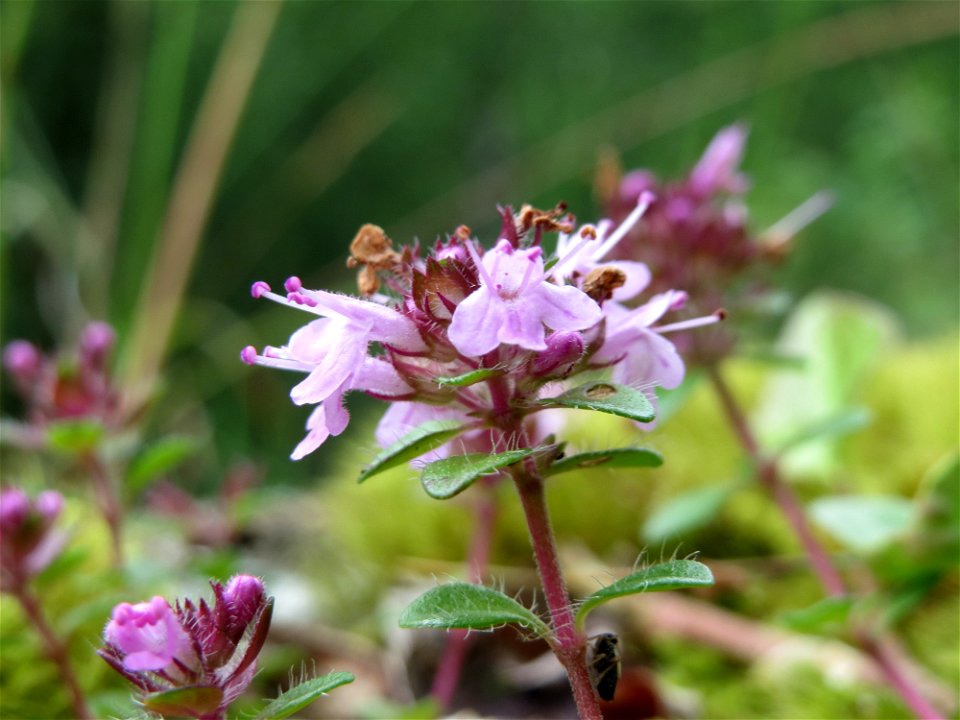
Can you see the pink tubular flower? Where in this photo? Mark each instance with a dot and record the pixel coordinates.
(148, 634)
(514, 303)
(211, 651)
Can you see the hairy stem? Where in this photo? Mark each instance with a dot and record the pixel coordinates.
(769, 476)
(569, 643)
(55, 651)
(447, 678)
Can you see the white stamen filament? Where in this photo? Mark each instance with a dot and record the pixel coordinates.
(588, 234)
(626, 226)
(798, 218)
(282, 364)
(690, 324)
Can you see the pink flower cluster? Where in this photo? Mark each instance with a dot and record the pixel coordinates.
(210, 653)
(28, 542)
(57, 388)
(521, 320)
(696, 236)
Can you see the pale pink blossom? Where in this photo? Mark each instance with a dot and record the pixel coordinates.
(514, 305)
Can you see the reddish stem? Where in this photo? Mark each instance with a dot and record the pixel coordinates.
(55, 651)
(783, 495)
(769, 476)
(569, 643)
(447, 678)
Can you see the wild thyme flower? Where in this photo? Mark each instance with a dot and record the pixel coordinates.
(695, 236)
(510, 319)
(208, 654)
(57, 388)
(28, 542)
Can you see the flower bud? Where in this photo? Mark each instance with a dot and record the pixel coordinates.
(96, 341)
(14, 510)
(564, 349)
(22, 360)
(243, 597)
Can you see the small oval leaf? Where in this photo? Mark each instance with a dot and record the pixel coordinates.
(466, 606)
(447, 477)
(606, 397)
(863, 523)
(160, 458)
(687, 512)
(300, 696)
(470, 378)
(616, 458)
(671, 575)
(418, 441)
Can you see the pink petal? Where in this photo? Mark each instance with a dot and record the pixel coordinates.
(476, 322)
(564, 307)
(522, 326)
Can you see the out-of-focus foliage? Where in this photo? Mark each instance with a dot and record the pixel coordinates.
(422, 116)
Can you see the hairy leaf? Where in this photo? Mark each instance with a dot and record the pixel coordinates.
(447, 477)
(300, 696)
(671, 575)
(608, 398)
(462, 605)
(616, 458)
(418, 441)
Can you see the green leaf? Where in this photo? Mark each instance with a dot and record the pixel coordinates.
(616, 458)
(447, 477)
(299, 696)
(938, 505)
(470, 378)
(865, 523)
(608, 398)
(418, 441)
(159, 458)
(686, 512)
(817, 617)
(475, 607)
(671, 575)
(190, 701)
(75, 436)
(842, 423)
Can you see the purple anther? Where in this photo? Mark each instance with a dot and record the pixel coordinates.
(292, 284)
(259, 288)
(249, 355)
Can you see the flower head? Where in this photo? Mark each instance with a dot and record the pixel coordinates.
(28, 542)
(77, 385)
(212, 650)
(695, 236)
(479, 336)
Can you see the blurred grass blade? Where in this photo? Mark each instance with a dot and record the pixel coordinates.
(192, 195)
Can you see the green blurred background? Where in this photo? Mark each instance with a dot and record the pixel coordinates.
(421, 116)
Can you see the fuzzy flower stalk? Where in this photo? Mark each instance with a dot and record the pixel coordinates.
(29, 542)
(191, 659)
(469, 344)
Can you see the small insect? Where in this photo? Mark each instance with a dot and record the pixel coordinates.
(604, 664)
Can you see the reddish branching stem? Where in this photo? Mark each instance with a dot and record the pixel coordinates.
(768, 474)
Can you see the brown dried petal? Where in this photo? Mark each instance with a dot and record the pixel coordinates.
(600, 282)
